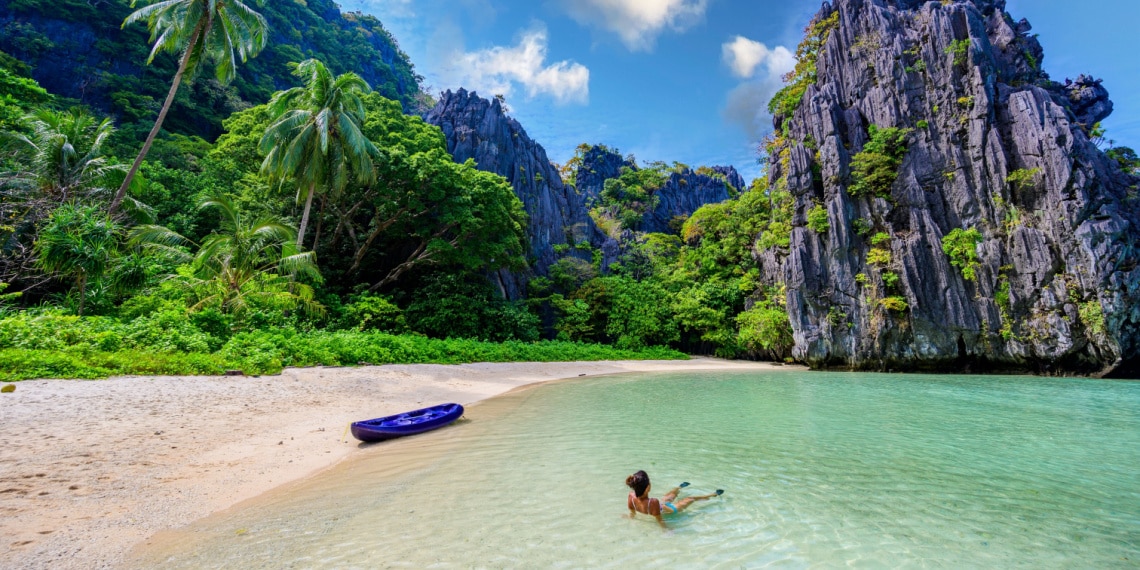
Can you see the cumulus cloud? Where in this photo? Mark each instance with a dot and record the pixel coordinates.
(498, 69)
(763, 67)
(637, 22)
(744, 56)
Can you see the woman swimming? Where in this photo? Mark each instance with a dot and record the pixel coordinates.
(640, 502)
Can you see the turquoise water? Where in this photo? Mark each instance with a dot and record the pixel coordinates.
(821, 470)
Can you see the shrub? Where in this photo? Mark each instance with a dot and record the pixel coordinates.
(875, 169)
(962, 248)
(765, 327)
(923, 124)
(1021, 178)
(960, 49)
(890, 279)
(817, 219)
(879, 257)
(372, 313)
(1092, 315)
(862, 226)
(896, 304)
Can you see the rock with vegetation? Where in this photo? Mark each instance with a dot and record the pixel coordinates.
(559, 223)
(973, 222)
(671, 192)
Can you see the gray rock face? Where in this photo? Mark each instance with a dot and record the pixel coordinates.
(1057, 289)
(478, 129)
(685, 192)
(682, 194)
(598, 165)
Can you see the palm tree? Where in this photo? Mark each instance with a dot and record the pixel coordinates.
(315, 138)
(77, 241)
(215, 30)
(62, 157)
(247, 259)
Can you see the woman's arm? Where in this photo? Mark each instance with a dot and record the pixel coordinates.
(629, 503)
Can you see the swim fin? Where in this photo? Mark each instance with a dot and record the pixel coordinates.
(683, 485)
(719, 492)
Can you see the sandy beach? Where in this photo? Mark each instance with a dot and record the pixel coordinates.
(88, 469)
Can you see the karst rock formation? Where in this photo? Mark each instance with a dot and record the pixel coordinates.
(1057, 286)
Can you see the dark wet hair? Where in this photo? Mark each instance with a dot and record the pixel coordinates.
(639, 482)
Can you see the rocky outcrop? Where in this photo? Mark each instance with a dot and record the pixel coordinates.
(684, 191)
(599, 164)
(478, 129)
(993, 145)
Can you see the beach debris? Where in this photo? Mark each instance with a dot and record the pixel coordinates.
(8, 388)
(159, 432)
(234, 373)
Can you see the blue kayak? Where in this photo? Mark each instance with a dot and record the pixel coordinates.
(408, 423)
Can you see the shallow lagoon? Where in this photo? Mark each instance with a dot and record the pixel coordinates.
(821, 470)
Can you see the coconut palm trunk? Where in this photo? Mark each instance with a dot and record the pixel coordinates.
(118, 200)
(305, 217)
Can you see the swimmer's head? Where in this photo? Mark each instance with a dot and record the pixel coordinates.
(639, 482)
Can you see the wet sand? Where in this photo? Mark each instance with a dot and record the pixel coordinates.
(89, 469)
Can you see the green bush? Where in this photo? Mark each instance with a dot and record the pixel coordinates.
(457, 306)
(765, 327)
(818, 220)
(370, 312)
(896, 304)
(960, 49)
(875, 169)
(962, 248)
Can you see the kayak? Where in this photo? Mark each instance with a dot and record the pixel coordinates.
(408, 423)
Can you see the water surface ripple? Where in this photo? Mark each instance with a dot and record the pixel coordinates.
(822, 470)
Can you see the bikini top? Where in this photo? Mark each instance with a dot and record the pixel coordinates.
(648, 504)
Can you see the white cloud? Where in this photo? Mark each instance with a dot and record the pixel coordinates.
(747, 105)
(497, 70)
(637, 22)
(744, 56)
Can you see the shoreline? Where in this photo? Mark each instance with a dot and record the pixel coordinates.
(91, 468)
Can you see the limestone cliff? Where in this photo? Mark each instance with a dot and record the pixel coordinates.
(478, 129)
(992, 145)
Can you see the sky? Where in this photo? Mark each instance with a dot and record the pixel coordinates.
(689, 80)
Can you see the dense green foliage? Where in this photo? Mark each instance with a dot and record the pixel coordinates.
(875, 168)
(78, 49)
(962, 248)
(59, 346)
(629, 197)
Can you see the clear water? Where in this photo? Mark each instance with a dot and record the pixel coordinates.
(821, 470)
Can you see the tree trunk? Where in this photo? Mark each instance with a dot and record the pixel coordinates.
(118, 200)
(320, 222)
(305, 217)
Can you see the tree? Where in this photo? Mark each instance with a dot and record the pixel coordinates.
(247, 260)
(78, 242)
(315, 138)
(62, 156)
(58, 159)
(202, 30)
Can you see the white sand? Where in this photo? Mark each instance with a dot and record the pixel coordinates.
(88, 469)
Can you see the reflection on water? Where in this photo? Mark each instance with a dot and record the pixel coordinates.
(821, 470)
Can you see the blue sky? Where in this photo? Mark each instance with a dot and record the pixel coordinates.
(687, 80)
